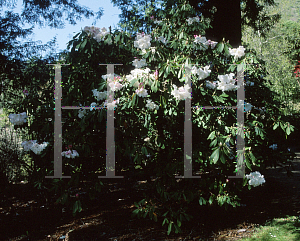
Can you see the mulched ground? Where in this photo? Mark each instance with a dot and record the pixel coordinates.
(25, 215)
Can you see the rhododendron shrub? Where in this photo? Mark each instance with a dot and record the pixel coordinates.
(150, 90)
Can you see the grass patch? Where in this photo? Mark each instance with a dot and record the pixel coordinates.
(283, 229)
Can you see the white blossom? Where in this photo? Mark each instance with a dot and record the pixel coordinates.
(211, 85)
(226, 82)
(93, 106)
(237, 52)
(162, 39)
(81, 113)
(181, 93)
(141, 92)
(139, 63)
(100, 95)
(142, 41)
(38, 148)
(192, 20)
(274, 147)
(202, 73)
(28, 144)
(18, 119)
(70, 154)
(256, 179)
(151, 105)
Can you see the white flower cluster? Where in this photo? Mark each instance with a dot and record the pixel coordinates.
(142, 41)
(96, 33)
(162, 39)
(18, 119)
(115, 84)
(249, 83)
(256, 179)
(70, 154)
(241, 107)
(81, 113)
(139, 74)
(205, 42)
(93, 106)
(157, 21)
(141, 92)
(151, 105)
(139, 63)
(237, 52)
(202, 73)
(181, 93)
(34, 146)
(226, 82)
(192, 20)
(100, 95)
(111, 105)
(274, 147)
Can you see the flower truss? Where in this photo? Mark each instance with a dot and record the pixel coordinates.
(237, 52)
(70, 154)
(34, 146)
(226, 82)
(256, 179)
(274, 147)
(96, 33)
(205, 42)
(157, 21)
(162, 39)
(202, 73)
(115, 84)
(139, 63)
(193, 20)
(100, 95)
(181, 93)
(151, 105)
(142, 41)
(18, 119)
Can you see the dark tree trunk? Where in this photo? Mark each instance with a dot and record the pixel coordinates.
(226, 23)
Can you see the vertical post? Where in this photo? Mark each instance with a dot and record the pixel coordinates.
(240, 142)
(110, 132)
(57, 125)
(188, 167)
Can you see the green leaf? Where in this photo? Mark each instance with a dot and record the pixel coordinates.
(248, 163)
(170, 228)
(165, 220)
(226, 49)
(178, 223)
(288, 130)
(215, 156)
(83, 44)
(202, 201)
(220, 47)
(212, 135)
(210, 200)
(179, 73)
(275, 126)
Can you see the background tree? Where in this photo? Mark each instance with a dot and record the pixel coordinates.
(279, 48)
(227, 17)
